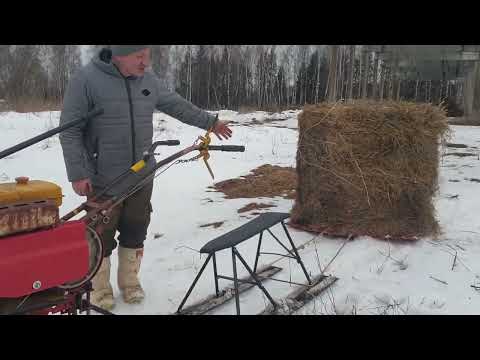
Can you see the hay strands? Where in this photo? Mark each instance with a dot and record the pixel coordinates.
(434, 278)
(384, 158)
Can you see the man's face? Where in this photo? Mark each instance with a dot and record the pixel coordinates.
(135, 63)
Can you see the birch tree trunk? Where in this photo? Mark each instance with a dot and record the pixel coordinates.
(382, 80)
(375, 77)
(365, 61)
(350, 72)
(332, 74)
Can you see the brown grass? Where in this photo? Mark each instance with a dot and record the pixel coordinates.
(214, 224)
(245, 109)
(369, 168)
(264, 181)
(254, 206)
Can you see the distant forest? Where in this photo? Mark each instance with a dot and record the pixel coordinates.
(235, 77)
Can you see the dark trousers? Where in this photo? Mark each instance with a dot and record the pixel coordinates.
(131, 219)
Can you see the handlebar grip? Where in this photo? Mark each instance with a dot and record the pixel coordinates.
(167, 143)
(233, 148)
(150, 152)
(171, 142)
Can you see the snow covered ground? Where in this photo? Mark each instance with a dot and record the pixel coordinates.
(375, 277)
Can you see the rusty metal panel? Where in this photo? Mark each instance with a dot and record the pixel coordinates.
(27, 217)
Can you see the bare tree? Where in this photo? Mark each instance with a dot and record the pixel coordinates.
(365, 62)
(383, 75)
(64, 60)
(317, 82)
(160, 61)
(375, 76)
(351, 60)
(332, 74)
(25, 78)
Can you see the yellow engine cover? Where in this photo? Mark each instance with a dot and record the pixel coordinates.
(28, 191)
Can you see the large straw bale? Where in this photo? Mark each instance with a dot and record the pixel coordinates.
(369, 168)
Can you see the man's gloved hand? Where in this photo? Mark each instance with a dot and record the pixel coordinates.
(82, 187)
(222, 130)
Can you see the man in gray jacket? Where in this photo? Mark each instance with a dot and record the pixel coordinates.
(119, 81)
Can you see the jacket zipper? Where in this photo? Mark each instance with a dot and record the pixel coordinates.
(95, 156)
(132, 124)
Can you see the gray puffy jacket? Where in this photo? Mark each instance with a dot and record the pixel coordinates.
(110, 143)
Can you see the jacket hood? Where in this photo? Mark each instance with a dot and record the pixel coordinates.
(103, 61)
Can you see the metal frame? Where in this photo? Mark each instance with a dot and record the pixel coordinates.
(295, 254)
(72, 304)
(253, 273)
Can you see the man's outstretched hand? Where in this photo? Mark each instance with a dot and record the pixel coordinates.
(82, 187)
(222, 130)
